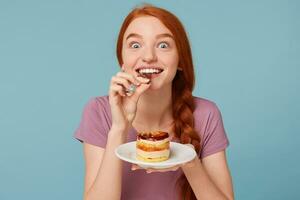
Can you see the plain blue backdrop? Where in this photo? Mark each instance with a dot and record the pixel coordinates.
(56, 55)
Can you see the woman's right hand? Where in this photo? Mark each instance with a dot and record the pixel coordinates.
(124, 105)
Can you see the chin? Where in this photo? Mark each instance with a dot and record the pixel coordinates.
(158, 85)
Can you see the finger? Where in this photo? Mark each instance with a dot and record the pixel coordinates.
(150, 170)
(117, 89)
(135, 167)
(129, 77)
(120, 81)
(139, 90)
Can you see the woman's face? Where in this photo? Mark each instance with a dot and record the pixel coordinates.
(147, 43)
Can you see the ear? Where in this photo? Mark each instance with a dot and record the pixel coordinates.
(179, 68)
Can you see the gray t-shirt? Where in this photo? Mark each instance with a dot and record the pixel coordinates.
(95, 125)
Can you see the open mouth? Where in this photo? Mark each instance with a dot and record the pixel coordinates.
(148, 72)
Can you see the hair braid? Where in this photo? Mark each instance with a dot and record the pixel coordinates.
(183, 108)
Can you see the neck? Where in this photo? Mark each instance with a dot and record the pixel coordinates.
(154, 109)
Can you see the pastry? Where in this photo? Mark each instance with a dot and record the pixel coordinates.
(153, 146)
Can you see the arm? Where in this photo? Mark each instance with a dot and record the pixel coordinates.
(210, 179)
(103, 176)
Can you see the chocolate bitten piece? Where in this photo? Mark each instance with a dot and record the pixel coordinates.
(153, 146)
(145, 75)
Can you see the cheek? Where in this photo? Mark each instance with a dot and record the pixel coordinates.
(129, 58)
(170, 60)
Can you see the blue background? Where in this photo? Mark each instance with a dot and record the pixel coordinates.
(56, 55)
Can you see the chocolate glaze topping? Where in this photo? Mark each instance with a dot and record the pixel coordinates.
(153, 136)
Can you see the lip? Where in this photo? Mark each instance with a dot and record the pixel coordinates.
(147, 75)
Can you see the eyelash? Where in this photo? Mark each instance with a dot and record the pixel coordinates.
(134, 43)
(167, 44)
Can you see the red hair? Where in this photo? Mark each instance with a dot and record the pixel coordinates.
(183, 84)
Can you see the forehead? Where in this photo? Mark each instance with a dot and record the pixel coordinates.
(146, 26)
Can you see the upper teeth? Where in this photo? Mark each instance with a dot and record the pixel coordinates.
(149, 71)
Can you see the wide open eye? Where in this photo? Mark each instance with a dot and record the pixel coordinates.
(163, 45)
(135, 45)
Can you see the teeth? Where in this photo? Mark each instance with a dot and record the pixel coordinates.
(149, 71)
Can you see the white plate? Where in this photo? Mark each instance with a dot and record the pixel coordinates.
(179, 154)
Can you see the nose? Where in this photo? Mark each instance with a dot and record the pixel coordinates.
(149, 55)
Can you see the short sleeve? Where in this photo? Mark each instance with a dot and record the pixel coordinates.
(215, 138)
(94, 126)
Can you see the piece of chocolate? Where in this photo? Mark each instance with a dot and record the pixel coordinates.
(145, 75)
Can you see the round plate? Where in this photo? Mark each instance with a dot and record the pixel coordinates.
(179, 154)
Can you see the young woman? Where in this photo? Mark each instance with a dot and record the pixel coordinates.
(152, 39)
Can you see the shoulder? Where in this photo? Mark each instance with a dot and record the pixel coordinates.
(98, 104)
(101, 100)
(206, 112)
(98, 101)
(204, 106)
(96, 121)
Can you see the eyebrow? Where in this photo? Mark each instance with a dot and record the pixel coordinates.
(162, 35)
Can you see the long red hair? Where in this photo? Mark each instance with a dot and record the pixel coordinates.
(182, 85)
